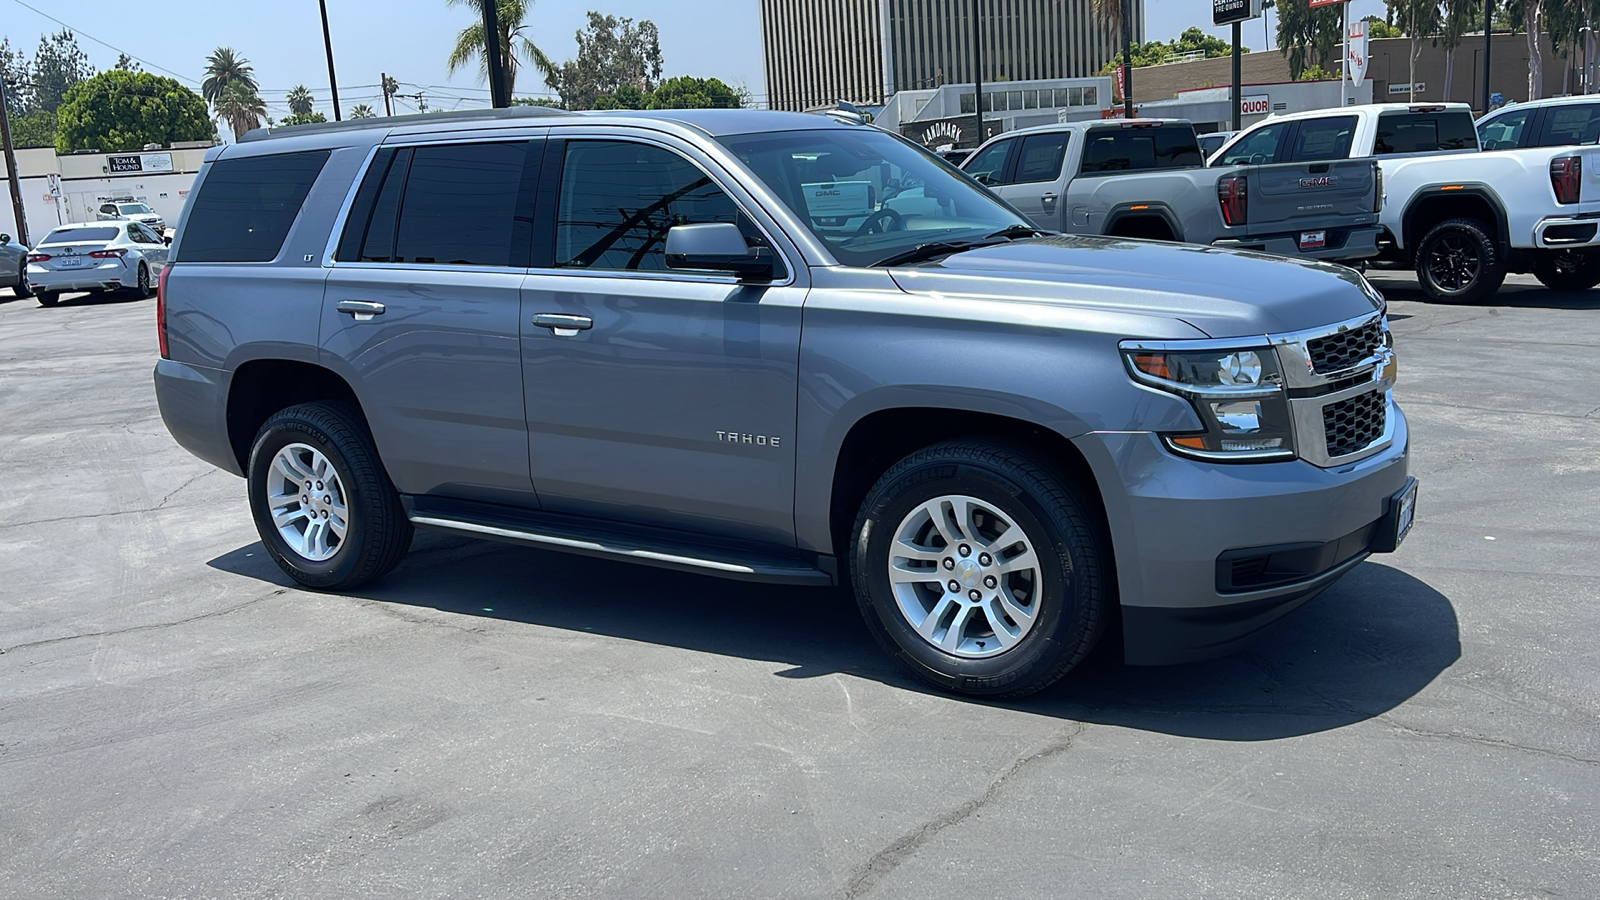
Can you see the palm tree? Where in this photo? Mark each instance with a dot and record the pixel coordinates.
(362, 111)
(513, 36)
(240, 107)
(300, 100)
(225, 67)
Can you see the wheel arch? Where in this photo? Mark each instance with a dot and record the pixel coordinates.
(1436, 203)
(261, 387)
(1136, 220)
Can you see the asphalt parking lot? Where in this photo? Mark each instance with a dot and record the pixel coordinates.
(177, 721)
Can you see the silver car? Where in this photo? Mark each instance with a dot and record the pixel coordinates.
(96, 256)
(138, 212)
(13, 263)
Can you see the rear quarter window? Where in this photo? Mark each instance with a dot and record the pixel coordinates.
(1134, 149)
(1408, 132)
(245, 207)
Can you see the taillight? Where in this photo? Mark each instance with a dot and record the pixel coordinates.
(38, 257)
(107, 254)
(1566, 176)
(1378, 207)
(1231, 195)
(161, 310)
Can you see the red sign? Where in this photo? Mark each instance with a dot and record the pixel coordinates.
(1121, 90)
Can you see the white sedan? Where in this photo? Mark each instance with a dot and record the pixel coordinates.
(96, 256)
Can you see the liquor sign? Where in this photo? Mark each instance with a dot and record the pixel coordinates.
(1355, 54)
(1227, 12)
(1256, 105)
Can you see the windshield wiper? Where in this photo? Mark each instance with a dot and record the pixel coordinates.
(922, 252)
(1012, 232)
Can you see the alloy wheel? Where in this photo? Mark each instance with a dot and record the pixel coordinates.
(307, 501)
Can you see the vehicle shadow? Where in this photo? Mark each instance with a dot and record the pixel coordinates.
(1362, 648)
(99, 298)
(1400, 286)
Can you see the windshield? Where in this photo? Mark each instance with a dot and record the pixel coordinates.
(133, 208)
(70, 235)
(868, 195)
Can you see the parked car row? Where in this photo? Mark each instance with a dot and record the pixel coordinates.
(1417, 185)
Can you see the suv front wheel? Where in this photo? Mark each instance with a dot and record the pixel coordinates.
(980, 569)
(323, 505)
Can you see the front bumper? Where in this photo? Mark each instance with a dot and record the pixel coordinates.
(1176, 523)
(1357, 242)
(110, 275)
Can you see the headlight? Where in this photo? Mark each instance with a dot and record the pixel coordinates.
(1237, 391)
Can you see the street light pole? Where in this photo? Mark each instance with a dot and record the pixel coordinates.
(977, 70)
(1127, 59)
(15, 179)
(1488, 47)
(327, 43)
(491, 50)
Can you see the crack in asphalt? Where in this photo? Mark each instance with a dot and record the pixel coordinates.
(1497, 743)
(154, 626)
(873, 871)
(1489, 409)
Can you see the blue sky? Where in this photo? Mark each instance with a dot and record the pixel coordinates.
(409, 39)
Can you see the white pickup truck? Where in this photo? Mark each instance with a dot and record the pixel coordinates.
(1461, 217)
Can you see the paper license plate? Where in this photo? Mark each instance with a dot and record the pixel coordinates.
(71, 262)
(1313, 240)
(1408, 513)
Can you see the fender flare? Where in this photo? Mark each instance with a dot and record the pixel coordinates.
(1409, 233)
(1156, 208)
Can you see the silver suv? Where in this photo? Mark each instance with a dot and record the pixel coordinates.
(777, 348)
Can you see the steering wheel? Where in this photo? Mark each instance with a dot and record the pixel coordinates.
(892, 221)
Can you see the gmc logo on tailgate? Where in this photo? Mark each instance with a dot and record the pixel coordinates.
(1319, 181)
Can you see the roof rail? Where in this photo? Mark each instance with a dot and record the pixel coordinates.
(465, 115)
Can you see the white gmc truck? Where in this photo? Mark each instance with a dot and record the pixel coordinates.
(1461, 217)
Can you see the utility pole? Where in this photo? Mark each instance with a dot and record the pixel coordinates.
(1236, 77)
(15, 179)
(1127, 58)
(383, 85)
(327, 43)
(491, 50)
(1488, 47)
(977, 69)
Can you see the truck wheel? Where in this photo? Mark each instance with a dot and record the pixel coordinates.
(1457, 260)
(1567, 270)
(979, 569)
(322, 502)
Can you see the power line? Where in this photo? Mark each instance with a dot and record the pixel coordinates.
(91, 37)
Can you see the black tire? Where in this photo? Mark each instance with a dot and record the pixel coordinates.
(141, 287)
(378, 535)
(1458, 260)
(1070, 604)
(48, 298)
(22, 289)
(1567, 270)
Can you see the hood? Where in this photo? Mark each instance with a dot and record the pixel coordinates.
(1224, 293)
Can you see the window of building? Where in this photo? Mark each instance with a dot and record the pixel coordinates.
(1091, 96)
(966, 104)
(1015, 98)
(1030, 99)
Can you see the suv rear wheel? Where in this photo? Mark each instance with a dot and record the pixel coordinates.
(1567, 270)
(1458, 260)
(979, 569)
(323, 505)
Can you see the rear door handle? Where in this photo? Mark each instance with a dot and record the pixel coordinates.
(563, 325)
(360, 310)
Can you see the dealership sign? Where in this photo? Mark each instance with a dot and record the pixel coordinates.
(1255, 105)
(1355, 54)
(1227, 12)
(142, 162)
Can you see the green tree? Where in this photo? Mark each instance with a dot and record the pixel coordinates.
(685, 92)
(1565, 20)
(625, 97)
(311, 118)
(17, 73)
(300, 100)
(1307, 36)
(126, 63)
(514, 43)
(58, 65)
(240, 106)
(1378, 28)
(1315, 72)
(536, 101)
(225, 67)
(612, 51)
(1420, 20)
(126, 110)
(1456, 21)
(36, 129)
(362, 111)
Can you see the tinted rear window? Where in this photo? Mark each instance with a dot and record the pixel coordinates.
(1323, 139)
(79, 235)
(460, 205)
(245, 207)
(1410, 132)
(1577, 123)
(1131, 149)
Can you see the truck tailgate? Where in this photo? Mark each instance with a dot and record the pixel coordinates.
(1311, 196)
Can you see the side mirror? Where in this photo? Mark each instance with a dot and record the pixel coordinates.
(716, 247)
(4, 238)
(166, 239)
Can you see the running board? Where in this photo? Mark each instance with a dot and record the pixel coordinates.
(741, 565)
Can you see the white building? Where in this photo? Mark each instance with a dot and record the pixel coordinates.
(69, 188)
(943, 116)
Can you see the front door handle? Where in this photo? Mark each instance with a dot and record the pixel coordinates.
(360, 310)
(563, 325)
(1048, 203)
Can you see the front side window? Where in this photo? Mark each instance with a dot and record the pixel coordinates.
(1507, 131)
(989, 164)
(1134, 149)
(245, 207)
(1041, 156)
(1259, 147)
(619, 199)
(1323, 139)
(868, 195)
(1577, 123)
(1408, 132)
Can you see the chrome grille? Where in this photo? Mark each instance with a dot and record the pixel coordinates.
(1341, 350)
(1352, 425)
